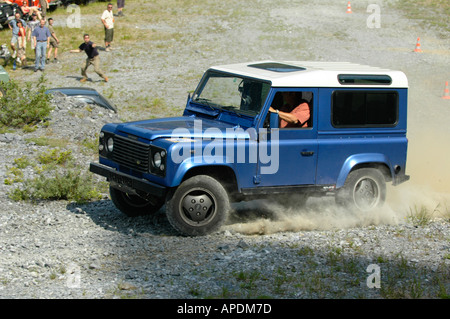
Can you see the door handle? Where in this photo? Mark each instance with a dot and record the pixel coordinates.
(307, 153)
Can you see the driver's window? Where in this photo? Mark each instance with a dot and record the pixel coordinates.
(294, 109)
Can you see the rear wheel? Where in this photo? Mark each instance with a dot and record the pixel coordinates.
(199, 206)
(364, 189)
(133, 205)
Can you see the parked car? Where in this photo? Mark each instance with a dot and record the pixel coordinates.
(35, 3)
(79, 2)
(7, 12)
(87, 95)
(231, 145)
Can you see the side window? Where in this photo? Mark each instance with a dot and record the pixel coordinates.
(364, 108)
(295, 109)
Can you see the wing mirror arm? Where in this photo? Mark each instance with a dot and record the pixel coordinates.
(274, 120)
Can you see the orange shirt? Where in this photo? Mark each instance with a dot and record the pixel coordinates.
(301, 112)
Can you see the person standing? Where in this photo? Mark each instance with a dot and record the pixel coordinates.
(120, 6)
(41, 37)
(15, 32)
(22, 44)
(108, 22)
(54, 42)
(31, 26)
(44, 7)
(92, 58)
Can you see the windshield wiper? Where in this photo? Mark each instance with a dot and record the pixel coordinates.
(232, 109)
(206, 102)
(212, 111)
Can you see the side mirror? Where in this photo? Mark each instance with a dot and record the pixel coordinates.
(274, 120)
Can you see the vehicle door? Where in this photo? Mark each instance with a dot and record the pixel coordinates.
(288, 156)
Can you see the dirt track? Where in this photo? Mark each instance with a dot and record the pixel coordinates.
(94, 238)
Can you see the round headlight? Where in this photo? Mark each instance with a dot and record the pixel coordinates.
(157, 159)
(110, 144)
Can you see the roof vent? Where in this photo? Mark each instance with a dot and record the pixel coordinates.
(366, 79)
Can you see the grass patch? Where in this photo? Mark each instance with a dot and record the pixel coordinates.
(422, 216)
(46, 141)
(431, 13)
(59, 179)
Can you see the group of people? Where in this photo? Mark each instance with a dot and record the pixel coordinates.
(44, 40)
(40, 38)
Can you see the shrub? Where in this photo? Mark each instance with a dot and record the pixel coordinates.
(71, 185)
(55, 156)
(24, 107)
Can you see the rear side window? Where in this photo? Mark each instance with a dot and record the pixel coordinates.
(364, 108)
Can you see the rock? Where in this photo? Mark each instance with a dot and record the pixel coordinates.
(126, 286)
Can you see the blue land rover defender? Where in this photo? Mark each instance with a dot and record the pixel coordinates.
(236, 141)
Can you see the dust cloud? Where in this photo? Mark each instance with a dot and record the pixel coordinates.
(264, 217)
(427, 165)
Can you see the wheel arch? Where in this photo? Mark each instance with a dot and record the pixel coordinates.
(376, 161)
(222, 173)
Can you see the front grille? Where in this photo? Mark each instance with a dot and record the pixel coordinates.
(131, 153)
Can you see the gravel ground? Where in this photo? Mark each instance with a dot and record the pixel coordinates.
(60, 249)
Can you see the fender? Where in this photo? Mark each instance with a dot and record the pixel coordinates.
(193, 162)
(357, 159)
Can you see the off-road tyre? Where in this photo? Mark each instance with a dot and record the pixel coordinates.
(133, 205)
(199, 206)
(364, 190)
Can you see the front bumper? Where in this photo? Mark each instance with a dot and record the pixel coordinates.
(126, 182)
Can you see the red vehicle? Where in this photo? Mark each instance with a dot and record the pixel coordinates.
(28, 3)
(33, 3)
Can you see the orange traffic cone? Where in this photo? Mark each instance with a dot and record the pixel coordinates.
(418, 49)
(349, 7)
(446, 92)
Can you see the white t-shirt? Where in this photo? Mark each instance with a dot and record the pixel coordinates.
(109, 18)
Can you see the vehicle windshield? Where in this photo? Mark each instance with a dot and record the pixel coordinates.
(232, 93)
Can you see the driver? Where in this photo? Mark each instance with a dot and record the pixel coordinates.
(294, 112)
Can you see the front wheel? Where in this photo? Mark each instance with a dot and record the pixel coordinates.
(199, 206)
(133, 205)
(364, 189)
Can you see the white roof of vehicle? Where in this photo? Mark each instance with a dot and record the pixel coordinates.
(314, 74)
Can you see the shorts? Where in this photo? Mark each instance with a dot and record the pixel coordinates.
(120, 4)
(14, 39)
(109, 35)
(53, 43)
